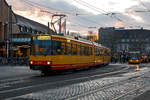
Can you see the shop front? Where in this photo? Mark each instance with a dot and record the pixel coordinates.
(20, 45)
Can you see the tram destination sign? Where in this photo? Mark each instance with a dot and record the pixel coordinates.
(44, 37)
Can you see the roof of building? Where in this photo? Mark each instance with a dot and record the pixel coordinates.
(32, 24)
(122, 29)
(132, 29)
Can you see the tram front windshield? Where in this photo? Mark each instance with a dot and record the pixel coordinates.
(134, 56)
(41, 47)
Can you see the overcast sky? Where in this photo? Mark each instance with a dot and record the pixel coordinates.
(82, 14)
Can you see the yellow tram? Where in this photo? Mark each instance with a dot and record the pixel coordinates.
(134, 57)
(54, 52)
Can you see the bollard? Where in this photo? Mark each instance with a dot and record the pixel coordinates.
(137, 67)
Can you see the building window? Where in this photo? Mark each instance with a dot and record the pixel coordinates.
(123, 40)
(25, 29)
(33, 31)
(30, 30)
(21, 29)
(127, 40)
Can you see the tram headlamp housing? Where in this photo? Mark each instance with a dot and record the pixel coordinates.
(31, 62)
(48, 62)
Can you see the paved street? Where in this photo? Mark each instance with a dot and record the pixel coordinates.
(112, 82)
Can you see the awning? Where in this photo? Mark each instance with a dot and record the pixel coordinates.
(21, 40)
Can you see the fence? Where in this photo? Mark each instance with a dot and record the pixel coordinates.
(14, 61)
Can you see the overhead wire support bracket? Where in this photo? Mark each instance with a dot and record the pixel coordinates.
(60, 19)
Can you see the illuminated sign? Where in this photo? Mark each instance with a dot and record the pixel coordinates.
(43, 37)
(68, 40)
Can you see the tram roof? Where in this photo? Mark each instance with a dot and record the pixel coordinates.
(67, 37)
(75, 39)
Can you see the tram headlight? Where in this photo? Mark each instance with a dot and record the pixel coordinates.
(31, 62)
(48, 62)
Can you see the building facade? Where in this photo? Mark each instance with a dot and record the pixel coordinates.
(106, 37)
(16, 31)
(92, 36)
(5, 21)
(125, 39)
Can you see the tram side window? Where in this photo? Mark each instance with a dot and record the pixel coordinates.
(87, 51)
(99, 51)
(82, 50)
(69, 48)
(56, 45)
(91, 50)
(106, 53)
(103, 52)
(74, 49)
(63, 48)
(78, 49)
(96, 52)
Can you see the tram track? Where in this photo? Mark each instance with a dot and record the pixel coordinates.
(100, 87)
(105, 87)
(138, 86)
(16, 78)
(48, 83)
(8, 82)
(76, 79)
(133, 90)
(101, 69)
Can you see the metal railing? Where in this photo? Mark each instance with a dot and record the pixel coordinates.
(14, 61)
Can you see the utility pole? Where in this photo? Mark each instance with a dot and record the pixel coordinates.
(10, 23)
(9, 34)
(60, 25)
(65, 27)
(61, 16)
(48, 29)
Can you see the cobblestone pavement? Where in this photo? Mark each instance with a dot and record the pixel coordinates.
(125, 82)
